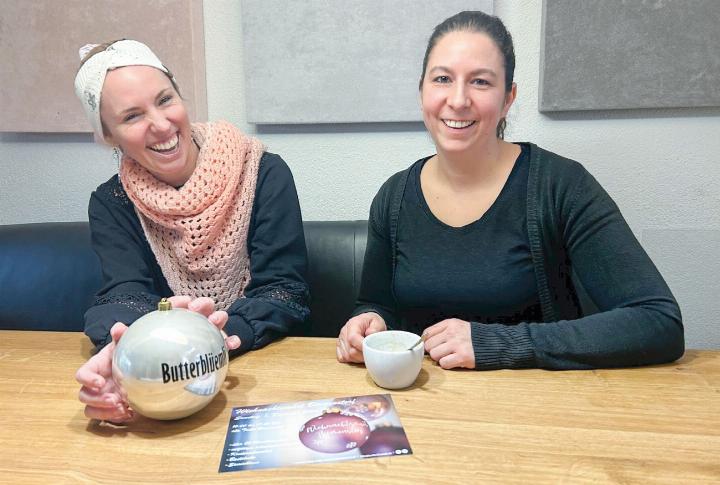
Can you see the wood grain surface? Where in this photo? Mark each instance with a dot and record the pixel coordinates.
(657, 424)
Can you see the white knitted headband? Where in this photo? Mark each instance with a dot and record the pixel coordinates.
(91, 76)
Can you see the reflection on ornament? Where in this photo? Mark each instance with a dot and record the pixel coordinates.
(369, 407)
(334, 433)
(387, 440)
(170, 363)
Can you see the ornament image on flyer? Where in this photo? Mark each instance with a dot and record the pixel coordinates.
(334, 432)
(305, 432)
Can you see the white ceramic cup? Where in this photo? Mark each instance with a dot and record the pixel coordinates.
(388, 360)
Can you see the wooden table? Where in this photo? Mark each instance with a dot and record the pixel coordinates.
(656, 424)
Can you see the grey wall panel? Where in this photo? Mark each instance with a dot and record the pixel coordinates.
(334, 61)
(618, 54)
(688, 259)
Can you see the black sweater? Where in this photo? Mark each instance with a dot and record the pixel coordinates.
(275, 299)
(481, 272)
(574, 229)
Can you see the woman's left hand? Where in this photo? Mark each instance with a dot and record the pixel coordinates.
(206, 307)
(449, 344)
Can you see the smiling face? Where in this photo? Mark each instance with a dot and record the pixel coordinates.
(144, 115)
(463, 92)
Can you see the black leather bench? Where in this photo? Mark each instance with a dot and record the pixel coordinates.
(49, 274)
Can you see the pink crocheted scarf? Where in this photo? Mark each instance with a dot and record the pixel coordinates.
(198, 232)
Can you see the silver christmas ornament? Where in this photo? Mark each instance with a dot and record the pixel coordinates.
(170, 363)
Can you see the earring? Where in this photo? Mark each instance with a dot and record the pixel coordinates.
(117, 156)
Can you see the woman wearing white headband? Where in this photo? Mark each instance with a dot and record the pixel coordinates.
(199, 211)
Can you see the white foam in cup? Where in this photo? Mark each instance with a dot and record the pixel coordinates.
(388, 360)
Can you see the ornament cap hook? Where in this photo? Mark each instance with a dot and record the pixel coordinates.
(164, 305)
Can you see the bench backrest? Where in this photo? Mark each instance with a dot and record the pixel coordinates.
(49, 275)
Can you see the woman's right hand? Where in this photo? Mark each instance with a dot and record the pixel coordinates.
(102, 396)
(350, 341)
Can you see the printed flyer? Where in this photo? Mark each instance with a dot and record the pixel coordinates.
(296, 433)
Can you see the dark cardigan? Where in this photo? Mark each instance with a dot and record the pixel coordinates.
(575, 230)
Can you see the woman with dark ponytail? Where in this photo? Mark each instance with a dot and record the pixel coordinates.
(482, 246)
